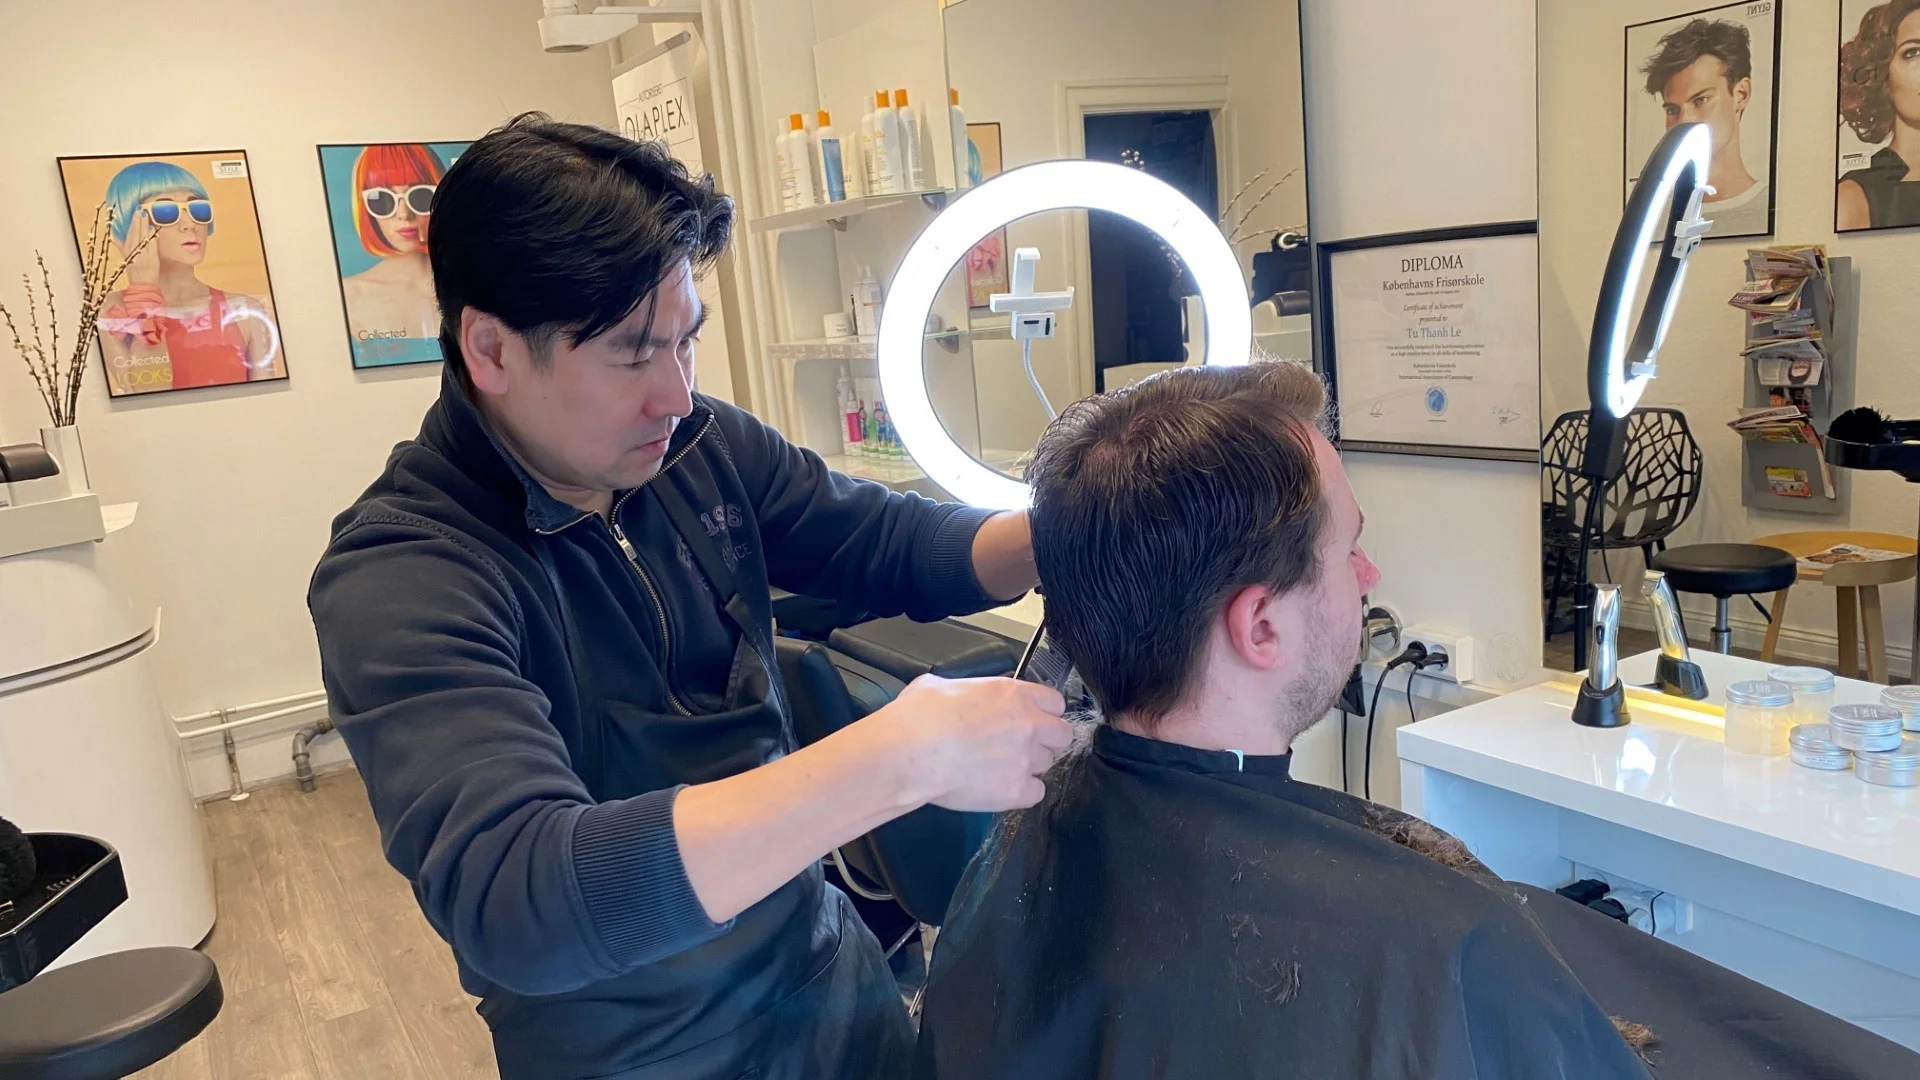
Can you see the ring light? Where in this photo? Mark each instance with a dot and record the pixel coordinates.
(1666, 197)
(1668, 194)
(1031, 189)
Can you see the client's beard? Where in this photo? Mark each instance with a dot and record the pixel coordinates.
(1313, 695)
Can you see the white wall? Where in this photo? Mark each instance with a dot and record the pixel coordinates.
(1421, 116)
(1700, 372)
(237, 486)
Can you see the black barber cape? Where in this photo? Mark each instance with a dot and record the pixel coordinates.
(1174, 913)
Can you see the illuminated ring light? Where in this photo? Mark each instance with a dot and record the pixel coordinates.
(1032, 189)
(1658, 202)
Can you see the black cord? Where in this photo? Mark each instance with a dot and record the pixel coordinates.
(1606, 565)
(1653, 913)
(1412, 654)
(1412, 718)
(1346, 770)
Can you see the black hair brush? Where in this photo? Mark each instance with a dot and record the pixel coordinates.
(17, 862)
(1864, 424)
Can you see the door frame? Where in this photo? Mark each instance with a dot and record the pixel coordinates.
(1074, 101)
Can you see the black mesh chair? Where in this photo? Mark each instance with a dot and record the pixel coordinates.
(1653, 495)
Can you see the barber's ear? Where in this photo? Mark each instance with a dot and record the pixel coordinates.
(1253, 626)
(484, 341)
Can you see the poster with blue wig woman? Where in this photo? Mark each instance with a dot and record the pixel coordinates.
(379, 199)
(196, 307)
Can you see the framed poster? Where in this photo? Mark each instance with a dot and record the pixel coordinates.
(1721, 67)
(196, 307)
(987, 264)
(1879, 129)
(379, 199)
(1431, 341)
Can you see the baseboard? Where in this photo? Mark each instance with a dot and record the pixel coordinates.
(1750, 632)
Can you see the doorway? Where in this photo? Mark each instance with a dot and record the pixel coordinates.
(1138, 285)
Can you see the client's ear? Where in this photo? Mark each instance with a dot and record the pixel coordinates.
(484, 340)
(1252, 621)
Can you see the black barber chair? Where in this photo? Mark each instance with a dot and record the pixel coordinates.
(915, 860)
(99, 1019)
(1724, 571)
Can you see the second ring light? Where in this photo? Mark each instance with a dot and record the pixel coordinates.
(1018, 193)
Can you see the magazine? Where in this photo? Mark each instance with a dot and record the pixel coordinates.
(1849, 553)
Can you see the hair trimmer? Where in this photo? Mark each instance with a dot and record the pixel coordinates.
(1602, 700)
(1676, 673)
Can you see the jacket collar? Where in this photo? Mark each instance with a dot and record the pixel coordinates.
(457, 428)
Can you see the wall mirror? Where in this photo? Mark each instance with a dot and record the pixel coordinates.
(1700, 496)
(1209, 102)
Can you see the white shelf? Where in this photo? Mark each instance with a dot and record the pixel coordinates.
(855, 348)
(837, 214)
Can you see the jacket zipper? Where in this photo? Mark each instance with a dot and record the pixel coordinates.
(646, 579)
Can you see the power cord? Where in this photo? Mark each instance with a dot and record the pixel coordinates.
(1412, 654)
(1026, 358)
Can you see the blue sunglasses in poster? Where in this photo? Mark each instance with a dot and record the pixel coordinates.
(165, 212)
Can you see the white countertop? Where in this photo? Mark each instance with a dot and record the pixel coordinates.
(1672, 777)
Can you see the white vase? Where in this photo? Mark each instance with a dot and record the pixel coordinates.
(63, 443)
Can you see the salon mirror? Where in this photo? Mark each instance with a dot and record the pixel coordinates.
(1613, 80)
(1209, 102)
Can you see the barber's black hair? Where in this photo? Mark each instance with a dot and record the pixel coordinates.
(564, 229)
(1728, 41)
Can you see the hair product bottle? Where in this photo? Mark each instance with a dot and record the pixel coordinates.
(833, 179)
(800, 160)
(783, 171)
(913, 172)
(853, 429)
(887, 167)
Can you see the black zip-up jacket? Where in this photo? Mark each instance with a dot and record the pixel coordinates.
(446, 663)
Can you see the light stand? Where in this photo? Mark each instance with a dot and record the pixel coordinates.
(1665, 203)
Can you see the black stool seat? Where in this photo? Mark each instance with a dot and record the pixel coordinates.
(1727, 569)
(107, 1017)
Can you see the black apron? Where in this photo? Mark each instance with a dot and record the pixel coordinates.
(797, 988)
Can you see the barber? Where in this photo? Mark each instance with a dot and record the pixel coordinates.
(545, 633)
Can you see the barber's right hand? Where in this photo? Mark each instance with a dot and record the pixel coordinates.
(975, 744)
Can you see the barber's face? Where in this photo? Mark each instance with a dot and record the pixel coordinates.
(1700, 93)
(597, 419)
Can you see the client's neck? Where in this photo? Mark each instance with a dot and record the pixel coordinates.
(1217, 718)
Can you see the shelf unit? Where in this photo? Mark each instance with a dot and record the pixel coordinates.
(1838, 323)
(836, 214)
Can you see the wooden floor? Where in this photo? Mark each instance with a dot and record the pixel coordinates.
(330, 970)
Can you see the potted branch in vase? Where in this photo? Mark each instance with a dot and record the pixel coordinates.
(59, 376)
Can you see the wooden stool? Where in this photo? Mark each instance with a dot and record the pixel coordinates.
(1856, 592)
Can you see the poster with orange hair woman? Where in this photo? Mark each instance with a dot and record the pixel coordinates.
(380, 201)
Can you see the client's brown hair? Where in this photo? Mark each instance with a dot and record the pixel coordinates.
(1154, 503)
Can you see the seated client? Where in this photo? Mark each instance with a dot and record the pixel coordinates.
(1177, 906)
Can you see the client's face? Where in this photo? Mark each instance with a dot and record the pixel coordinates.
(1335, 602)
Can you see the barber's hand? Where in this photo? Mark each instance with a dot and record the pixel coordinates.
(975, 744)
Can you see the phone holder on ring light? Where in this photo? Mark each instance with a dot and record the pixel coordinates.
(1032, 189)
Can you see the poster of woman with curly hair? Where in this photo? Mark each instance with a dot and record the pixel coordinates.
(1879, 145)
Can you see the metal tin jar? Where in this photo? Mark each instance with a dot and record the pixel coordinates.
(1759, 713)
(1893, 768)
(1812, 692)
(1814, 748)
(1907, 700)
(1865, 729)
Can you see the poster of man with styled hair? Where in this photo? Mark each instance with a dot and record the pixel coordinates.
(1879, 144)
(1720, 67)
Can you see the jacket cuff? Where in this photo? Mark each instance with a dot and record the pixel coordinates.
(951, 584)
(626, 859)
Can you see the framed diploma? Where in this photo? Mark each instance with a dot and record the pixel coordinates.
(1431, 341)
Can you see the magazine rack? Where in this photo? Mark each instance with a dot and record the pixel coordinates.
(1838, 323)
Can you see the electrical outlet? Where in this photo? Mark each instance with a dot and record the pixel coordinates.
(1458, 647)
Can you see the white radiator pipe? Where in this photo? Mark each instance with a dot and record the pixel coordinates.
(305, 702)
